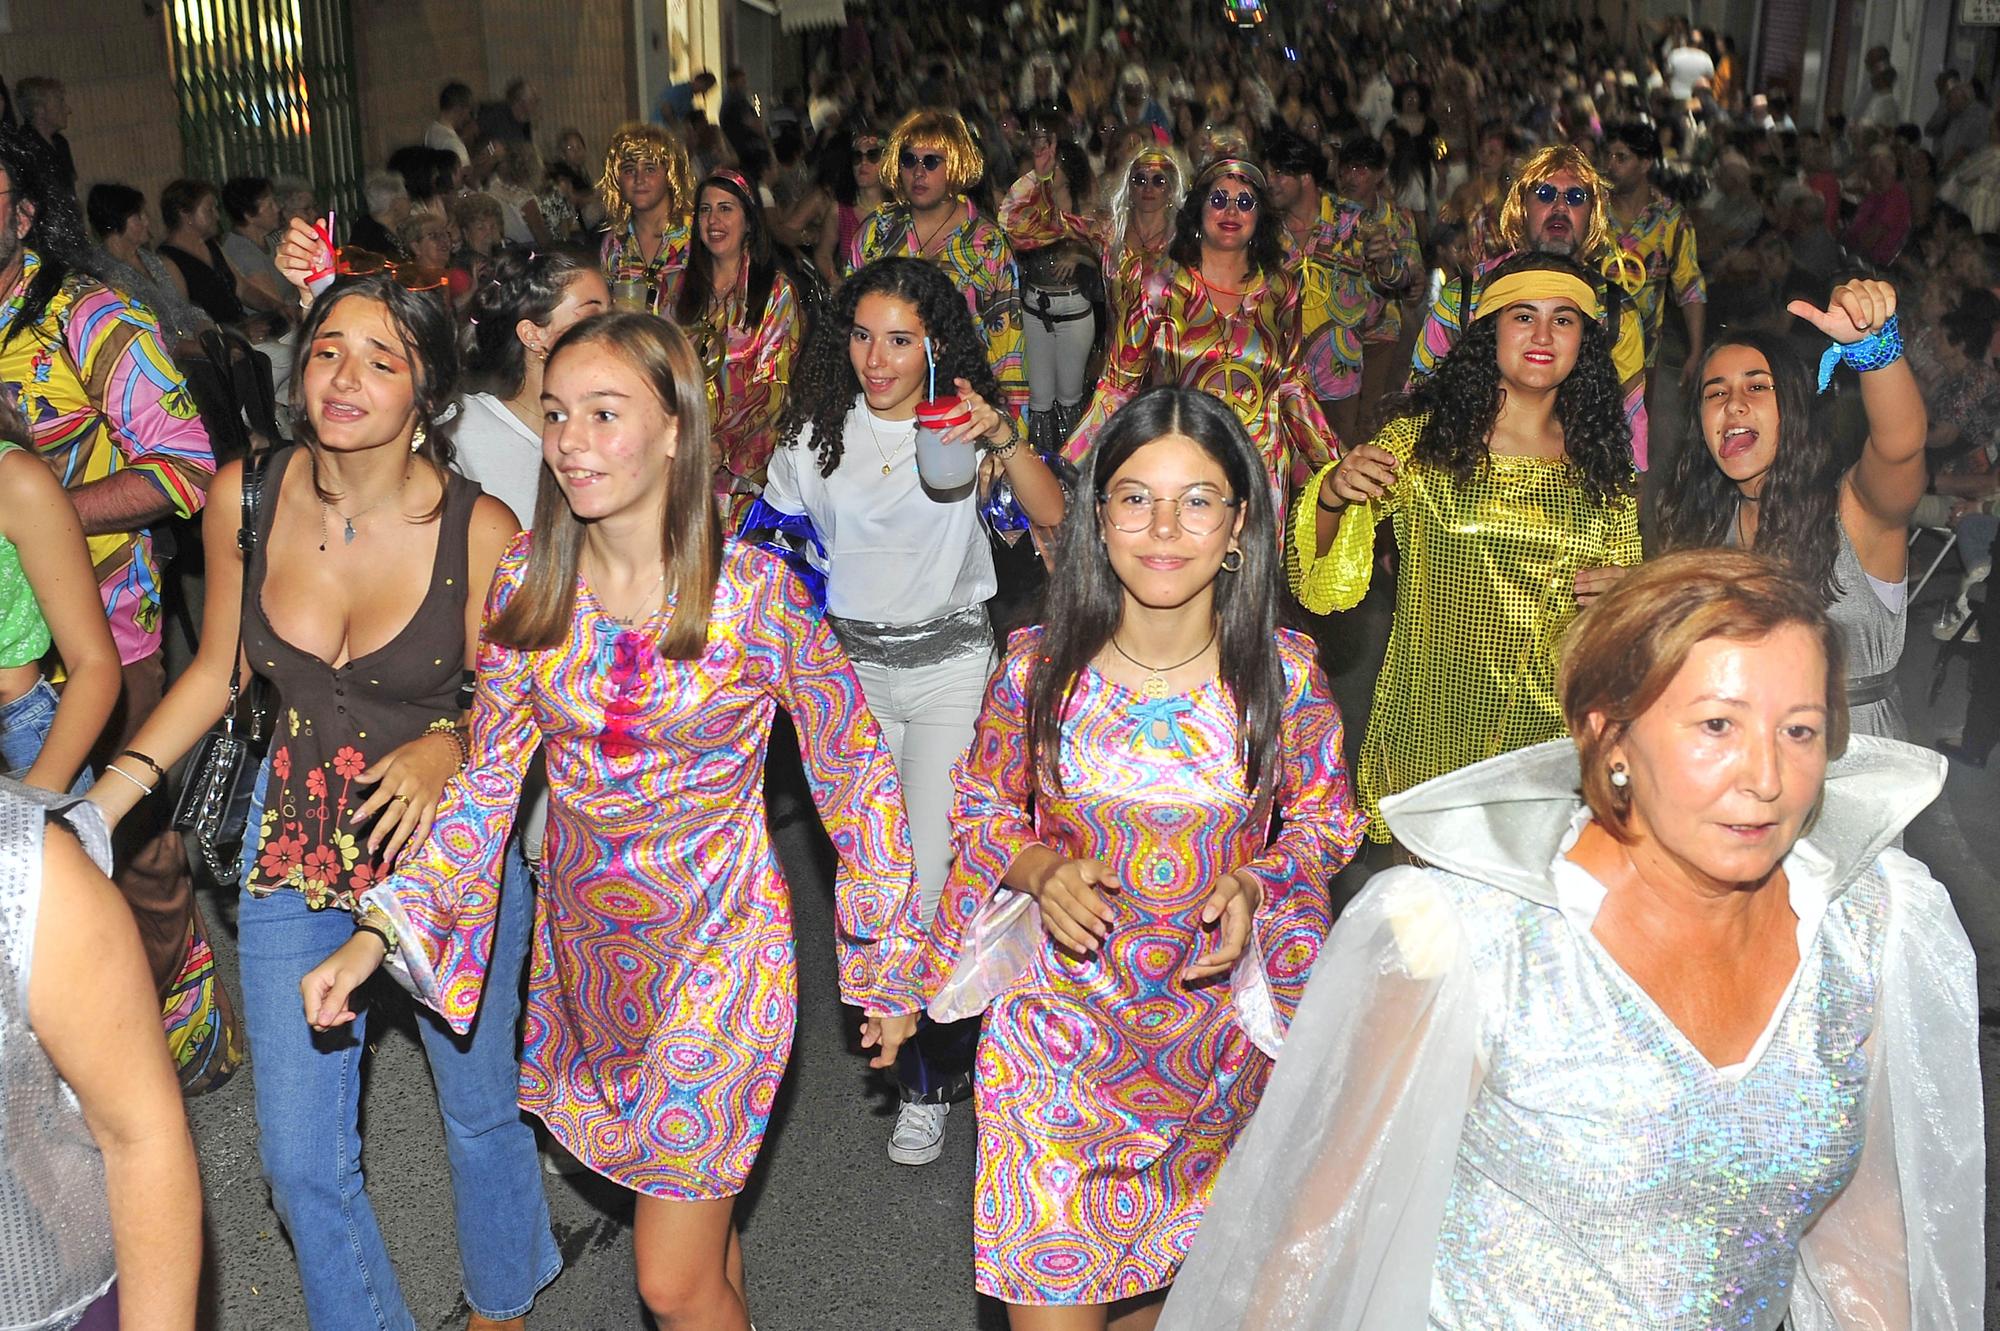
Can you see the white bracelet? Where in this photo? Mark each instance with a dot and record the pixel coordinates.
(144, 789)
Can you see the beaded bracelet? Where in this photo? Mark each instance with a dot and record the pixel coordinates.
(1880, 349)
(447, 727)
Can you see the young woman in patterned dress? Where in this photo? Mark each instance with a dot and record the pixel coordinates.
(648, 656)
(1118, 908)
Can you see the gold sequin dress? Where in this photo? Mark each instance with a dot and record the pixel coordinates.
(1484, 595)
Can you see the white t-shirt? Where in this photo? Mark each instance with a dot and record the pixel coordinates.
(501, 453)
(894, 555)
(1684, 66)
(441, 135)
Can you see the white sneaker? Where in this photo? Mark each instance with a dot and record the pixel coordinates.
(919, 1135)
(1950, 621)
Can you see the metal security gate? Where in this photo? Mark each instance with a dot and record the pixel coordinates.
(266, 88)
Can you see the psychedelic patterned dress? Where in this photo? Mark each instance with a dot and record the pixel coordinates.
(747, 374)
(1109, 1090)
(661, 992)
(1248, 359)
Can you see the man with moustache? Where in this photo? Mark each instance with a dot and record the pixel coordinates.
(1557, 206)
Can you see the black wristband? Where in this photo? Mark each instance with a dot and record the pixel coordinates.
(370, 927)
(1319, 502)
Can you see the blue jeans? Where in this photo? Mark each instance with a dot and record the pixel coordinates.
(24, 728)
(308, 1099)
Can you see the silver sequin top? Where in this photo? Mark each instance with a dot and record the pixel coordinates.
(1479, 1120)
(55, 1221)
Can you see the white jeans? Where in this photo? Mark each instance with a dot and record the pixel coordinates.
(1058, 353)
(927, 715)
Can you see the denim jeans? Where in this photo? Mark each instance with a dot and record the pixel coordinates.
(24, 728)
(308, 1099)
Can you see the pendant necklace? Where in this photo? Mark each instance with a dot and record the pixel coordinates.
(627, 621)
(347, 532)
(1154, 686)
(887, 464)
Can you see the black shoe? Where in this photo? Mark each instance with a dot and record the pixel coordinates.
(1961, 753)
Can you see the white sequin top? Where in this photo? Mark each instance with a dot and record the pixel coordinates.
(1479, 1120)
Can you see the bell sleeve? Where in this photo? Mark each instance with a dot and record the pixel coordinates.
(1903, 1246)
(1321, 828)
(1126, 360)
(984, 934)
(1326, 1214)
(1338, 579)
(877, 939)
(444, 895)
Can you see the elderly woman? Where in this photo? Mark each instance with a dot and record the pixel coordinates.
(1694, 1049)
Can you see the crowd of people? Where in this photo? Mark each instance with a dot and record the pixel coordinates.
(1013, 409)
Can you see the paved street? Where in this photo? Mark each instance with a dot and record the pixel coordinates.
(834, 1235)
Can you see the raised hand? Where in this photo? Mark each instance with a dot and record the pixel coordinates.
(1856, 310)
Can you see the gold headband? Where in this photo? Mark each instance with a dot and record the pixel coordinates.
(1536, 284)
(1229, 166)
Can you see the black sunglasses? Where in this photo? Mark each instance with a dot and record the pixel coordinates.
(911, 161)
(1575, 196)
(1158, 180)
(1219, 200)
(872, 154)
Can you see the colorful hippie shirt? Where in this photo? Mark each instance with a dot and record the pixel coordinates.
(1110, 1089)
(1485, 592)
(102, 396)
(1342, 307)
(979, 262)
(748, 371)
(1248, 359)
(1662, 238)
(662, 987)
(622, 260)
(1628, 348)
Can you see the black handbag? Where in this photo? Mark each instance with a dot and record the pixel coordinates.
(222, 771)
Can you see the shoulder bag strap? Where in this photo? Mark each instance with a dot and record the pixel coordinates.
(255, 465)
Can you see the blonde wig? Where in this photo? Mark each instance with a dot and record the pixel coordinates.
(643, 143)
(1118, 187)
(1553, 161)
(931, 126)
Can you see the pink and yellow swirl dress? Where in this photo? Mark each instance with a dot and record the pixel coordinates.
(1109, 1089)
(661, 1001)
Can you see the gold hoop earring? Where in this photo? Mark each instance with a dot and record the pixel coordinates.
(1236, 567)
(418, 436)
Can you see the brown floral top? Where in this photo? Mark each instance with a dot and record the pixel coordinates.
(334, 721)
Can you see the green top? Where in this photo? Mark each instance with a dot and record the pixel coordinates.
(24, 634)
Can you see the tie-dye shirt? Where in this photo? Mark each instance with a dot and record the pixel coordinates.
(102, 396)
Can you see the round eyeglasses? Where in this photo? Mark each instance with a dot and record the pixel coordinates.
(1199, 509)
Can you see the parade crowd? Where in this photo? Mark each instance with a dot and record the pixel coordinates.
(1004, 419)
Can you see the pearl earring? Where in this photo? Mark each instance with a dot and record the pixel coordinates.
(1618, 777)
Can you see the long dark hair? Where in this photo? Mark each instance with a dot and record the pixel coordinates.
(538, 615)
(824, 384)
(56, 235)
(698, 280)
(1085, 602)
(1798, 510)
(520, 284)
(425, 326)
(1267, 242)
(1463, 400)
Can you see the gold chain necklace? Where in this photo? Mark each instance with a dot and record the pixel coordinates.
(1154, 686)
(888, 463)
